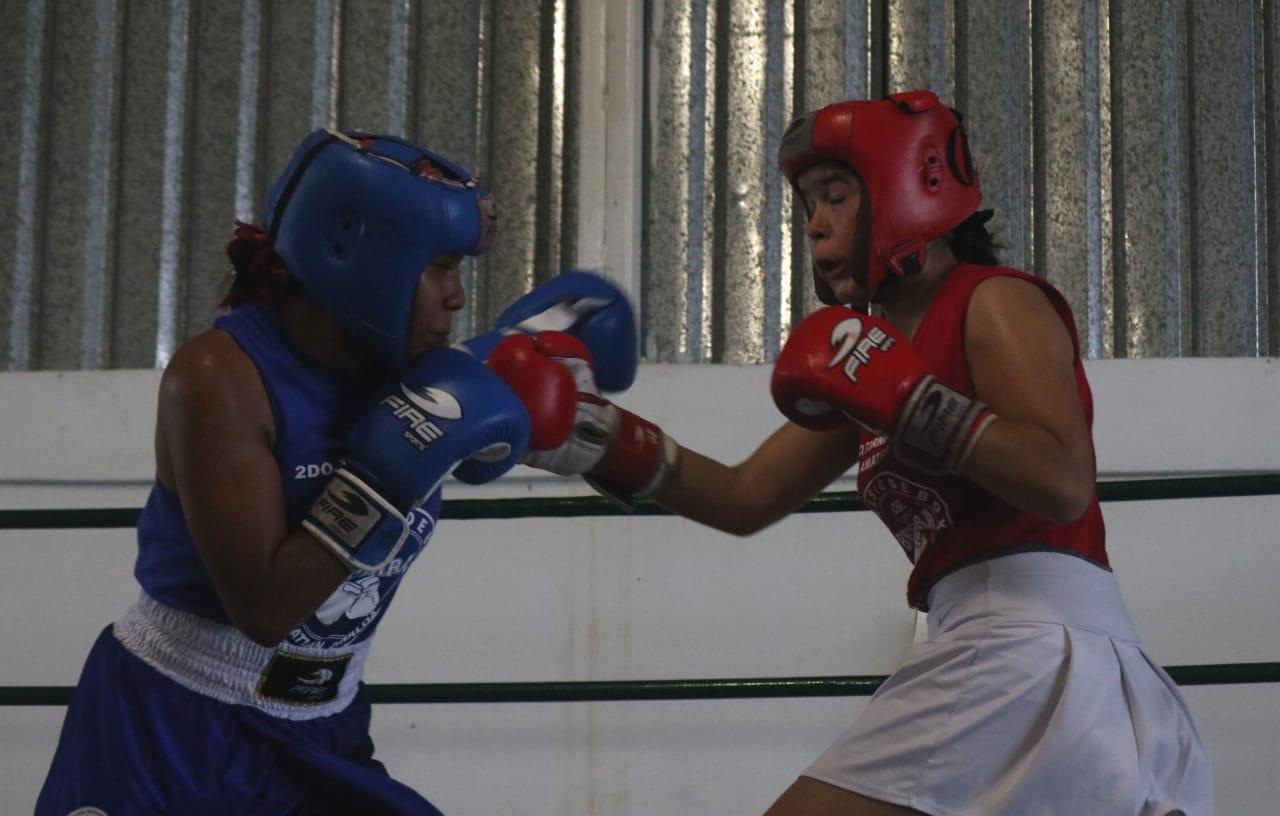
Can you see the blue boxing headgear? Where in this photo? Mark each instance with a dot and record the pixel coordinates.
(356, 218)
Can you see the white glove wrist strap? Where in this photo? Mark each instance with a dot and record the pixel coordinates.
(939, 427)
(354, 522)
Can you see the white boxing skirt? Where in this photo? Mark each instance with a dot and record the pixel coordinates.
(1032, 696)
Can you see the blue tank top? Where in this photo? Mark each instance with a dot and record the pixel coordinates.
(312, 408)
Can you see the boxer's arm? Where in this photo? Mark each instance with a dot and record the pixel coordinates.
(623, 454)
(792, 466)
(1038, 454)
(214, 449)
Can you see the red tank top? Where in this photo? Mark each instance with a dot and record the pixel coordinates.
(947, 522)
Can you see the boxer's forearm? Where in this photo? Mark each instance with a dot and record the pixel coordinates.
(788, 469)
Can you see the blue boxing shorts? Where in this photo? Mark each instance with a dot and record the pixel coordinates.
(136, 743)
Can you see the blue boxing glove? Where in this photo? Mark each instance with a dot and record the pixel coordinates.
(586, 305)
(446, 408)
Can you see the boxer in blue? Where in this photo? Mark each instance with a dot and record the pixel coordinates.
(300, 446)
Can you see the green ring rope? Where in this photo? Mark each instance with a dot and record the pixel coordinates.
(618, 690)
(627, 690)
(1201, 487)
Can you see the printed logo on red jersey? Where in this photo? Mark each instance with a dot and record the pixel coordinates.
(914, 513)
(872, 451)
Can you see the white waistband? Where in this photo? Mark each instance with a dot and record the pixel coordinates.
(219, 661)
(1048, 587)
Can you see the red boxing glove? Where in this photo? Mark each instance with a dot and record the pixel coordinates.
(545, 387)
(619, 453)
(839, 365)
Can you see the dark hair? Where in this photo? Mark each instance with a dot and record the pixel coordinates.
(971, 243)
(259, 276)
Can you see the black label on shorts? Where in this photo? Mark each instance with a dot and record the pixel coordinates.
(301, 679)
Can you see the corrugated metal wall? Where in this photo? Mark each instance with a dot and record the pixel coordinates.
(142, 127)
(1130, 149)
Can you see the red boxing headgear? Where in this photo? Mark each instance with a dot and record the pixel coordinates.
(912, 155)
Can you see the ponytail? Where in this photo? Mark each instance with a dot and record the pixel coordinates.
(258, 274)
(972, 243)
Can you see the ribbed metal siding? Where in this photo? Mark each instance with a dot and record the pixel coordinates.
(1130, 150)
(140, 129)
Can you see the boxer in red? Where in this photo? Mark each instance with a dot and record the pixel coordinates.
(956, 386)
